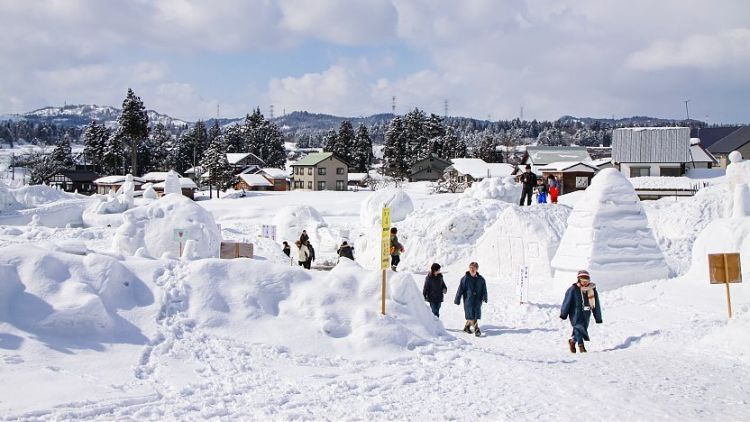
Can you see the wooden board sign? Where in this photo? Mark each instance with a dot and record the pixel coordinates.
(724, 268)
(231, 250)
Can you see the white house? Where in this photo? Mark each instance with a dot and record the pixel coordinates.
(656, 151)
(541, 156)
(465, 171)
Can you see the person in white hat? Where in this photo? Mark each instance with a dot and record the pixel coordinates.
(581, 300)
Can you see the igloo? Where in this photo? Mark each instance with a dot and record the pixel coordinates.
(608, 234)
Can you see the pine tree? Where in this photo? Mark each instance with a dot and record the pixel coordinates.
(344, 145)
(113, 158)
(133, 125)
(330, 141)
(395, 150)
(415, 135)
(487, 150)
(94, 142)
(362, 155)
(234, 138)
(156, 153)
(272, 150)
(62, 156)
(214, 132)
(216, 164)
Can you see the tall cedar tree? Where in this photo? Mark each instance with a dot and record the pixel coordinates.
(330, 141)
(362, 155)
(113, 160)
(415, 134)
(344, 145)
(156, 150)
(62, 156)
(395, 150)
(264, 139)
(133, 126)
(216, 164)
(94, 141)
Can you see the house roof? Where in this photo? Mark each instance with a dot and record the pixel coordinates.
(699, 155)
(155, 176)
(236, 157)
(711, 135)
(601, 162)
(651, 145)
(255, 180)
(116, 180)
(315, 158)
(79, 175)
(563, 166)
(479, 169)
(731, 142)
(193, 170)
(185, 183)
(541, 155)
(275, 173)
(433, 158)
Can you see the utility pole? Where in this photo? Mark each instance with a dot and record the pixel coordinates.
(687, 110)
(217, 111)
(521, 115)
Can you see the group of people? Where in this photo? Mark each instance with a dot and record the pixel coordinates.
(581, 301)
(305, 250)
(534, 185)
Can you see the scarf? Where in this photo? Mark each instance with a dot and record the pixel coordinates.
(589, 292)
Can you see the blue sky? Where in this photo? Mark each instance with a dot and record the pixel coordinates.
(349, 57)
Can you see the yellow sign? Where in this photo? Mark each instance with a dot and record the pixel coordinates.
(385, 240)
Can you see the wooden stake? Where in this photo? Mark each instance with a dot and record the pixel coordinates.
(180, 248)
(729, 301)
(726, 283)
(382, 294)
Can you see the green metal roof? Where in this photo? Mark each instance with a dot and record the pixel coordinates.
(313, 159)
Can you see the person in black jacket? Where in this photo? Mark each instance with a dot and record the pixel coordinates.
(434, 289)
(304, 238)
(287, 249)
(346, 250)
(528, 179)
(311, 258)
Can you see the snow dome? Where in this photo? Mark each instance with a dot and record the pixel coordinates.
(398, 200)
(609, 235)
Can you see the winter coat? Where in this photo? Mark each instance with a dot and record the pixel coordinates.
(303, 253)
(434, 288)
(541, 189)
(304, 238)
(346, 251)
(572, 307)
(287, 251)
(396, 247)
(474, 291)
(528, 179)
(553, 183)
(312, 251)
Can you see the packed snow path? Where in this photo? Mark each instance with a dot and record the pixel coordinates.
(652, 367)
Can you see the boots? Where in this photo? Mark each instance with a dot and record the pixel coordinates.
(476, 331)
(467, 327)
(572, 344)
(582, 348)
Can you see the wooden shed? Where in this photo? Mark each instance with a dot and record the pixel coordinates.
(572, 175)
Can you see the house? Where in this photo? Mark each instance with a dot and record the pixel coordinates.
(652, 151)
(187, 186)
(279, 178)
(242, 160)
(464, 171)
(700, 158)
(602, 163)
(320, 171)
(540, 156)
(79, 180)
(736, 140)
(572, 175)
(114, 183)
(430, 168)
(253, 182)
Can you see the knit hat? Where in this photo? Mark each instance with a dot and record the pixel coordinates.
(435, 267)
(584, 274)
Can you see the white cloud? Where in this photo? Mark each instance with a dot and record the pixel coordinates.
(729, 48)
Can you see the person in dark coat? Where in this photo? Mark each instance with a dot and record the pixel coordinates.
(310, 258)
(434, 289)
(287, 249)
(396, 249)
(581, 300)
(473, 289)
(304, 238)
(528, 179)
(346, 250)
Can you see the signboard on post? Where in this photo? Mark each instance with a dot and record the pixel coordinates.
(268, 231)
(724, 268)
(523, 284)
(181, 235)
(385, 252)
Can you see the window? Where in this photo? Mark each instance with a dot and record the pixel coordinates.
(321, 185)
(321, 171)
(309, 171)
(640, 171)
(339, 170)
(669, 171)
(309, 185)
(460, 179)
(340, 185)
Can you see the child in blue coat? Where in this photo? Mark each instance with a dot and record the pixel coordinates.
(581, 301)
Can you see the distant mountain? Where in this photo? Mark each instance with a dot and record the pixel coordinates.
(82, 114)
(629, 121)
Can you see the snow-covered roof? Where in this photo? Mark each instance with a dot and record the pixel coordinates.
(563, 166)
(155, 176)
(651, 145)
(479, 169)
(185, 183)
(663, 183)
(357, 177)
(275, 173)
(700, 155)
(543, 155)
(116, 180)
(601, 161)
(255, 180)
(236, 157)
(193, 170)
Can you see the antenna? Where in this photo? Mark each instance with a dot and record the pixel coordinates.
(393, 104)
(687, 110)
(445, 107)
(270, 111)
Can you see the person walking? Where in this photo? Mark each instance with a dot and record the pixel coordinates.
(304, 238)
(396, 249)
(554, 188)
(528, 179)
(541, 192)
(303, 254)
(311, 256)
(345, 250)
(581, 301)
(473, 290)
(434, 289)
(287, 249)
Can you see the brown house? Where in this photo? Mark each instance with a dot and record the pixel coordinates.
(78, 180)
(572, 175)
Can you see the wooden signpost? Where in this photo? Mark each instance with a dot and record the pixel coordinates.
(724, 268)
(385, 252)
(181, 235)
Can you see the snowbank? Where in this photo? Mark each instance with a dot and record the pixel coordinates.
(608, 234)
(501, 188)
(371, 209)
(726, 235)
(7, 200)
(152, 227)
(291, 220)
(36, 195)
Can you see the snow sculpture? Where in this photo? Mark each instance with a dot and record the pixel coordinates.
(500, 188)
(127, 190)
(149, 192)
(398, 200)
(741, 203)
(172, 183)
(152, 227)
(608, 234)
(738, 170)
(34, 221)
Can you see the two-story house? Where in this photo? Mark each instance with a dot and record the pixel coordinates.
(320, 171)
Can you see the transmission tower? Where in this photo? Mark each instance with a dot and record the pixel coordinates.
(687, 110)
(445, 108)
(521, 114)
(393, 105)
(270, 111)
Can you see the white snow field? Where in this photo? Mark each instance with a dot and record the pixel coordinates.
(108, 323)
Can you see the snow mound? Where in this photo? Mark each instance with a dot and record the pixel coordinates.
(291, 220)
(69, 297)
(371, 209)
(334, 312)
(501, 188)
(7, 200)
(608, 234)
(172, 183)
(526, 236)
(726, 235)
(36, 195)
(152, 227)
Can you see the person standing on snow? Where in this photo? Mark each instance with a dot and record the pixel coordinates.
(473, 290)
(554, 188)
(287, 250)
(311, 256)
(396, 249)
(345, 250)
(541, 192)
(528, 179)
(434, 289)
(581, 300)
(303, 255)
(304, 238)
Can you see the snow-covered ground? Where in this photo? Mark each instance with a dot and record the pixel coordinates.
(106, 323)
